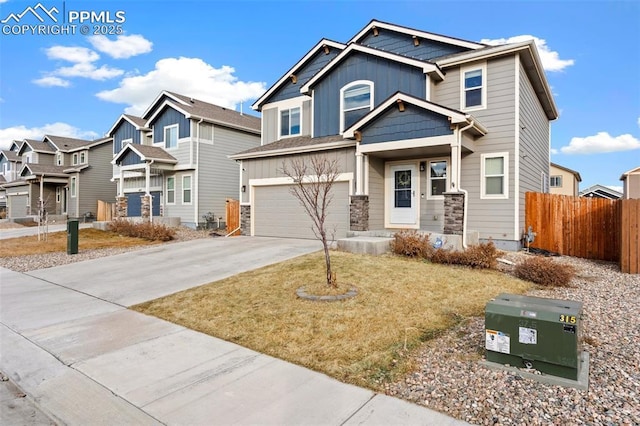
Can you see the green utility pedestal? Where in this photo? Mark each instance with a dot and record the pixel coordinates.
(535, 332)
(72, 237)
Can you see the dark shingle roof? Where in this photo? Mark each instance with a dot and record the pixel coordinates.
(291, 143)
(217, 113)
(153, 152)
(39, 169)
(64, 143)
(39, 146)
(139, 121)
(11, 155)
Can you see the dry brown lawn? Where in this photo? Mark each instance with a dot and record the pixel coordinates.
(366, 340)
(88, 239)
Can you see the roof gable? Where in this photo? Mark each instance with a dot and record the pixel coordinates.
(630, 172)
(303, 70)
(145, 153)
(138, 122)
(573, 172)
(600, 191)
(65, 144)
(36, 146)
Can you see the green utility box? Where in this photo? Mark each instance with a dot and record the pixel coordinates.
(72, 237)
(534, 332)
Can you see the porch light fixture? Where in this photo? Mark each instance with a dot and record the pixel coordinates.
(400, 105)
(423, 166)
(243, 188)
(294, 78)
(416, 41)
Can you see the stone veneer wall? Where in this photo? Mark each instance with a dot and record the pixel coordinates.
(146, 207)
(359, 213)
(121, 206)
(453, 213)
(245, 220)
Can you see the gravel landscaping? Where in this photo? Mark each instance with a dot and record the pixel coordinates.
(449, 379)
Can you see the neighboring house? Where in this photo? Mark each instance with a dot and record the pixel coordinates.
(10, 164)
(173, 161)
(631, 183)
(431, 132)
(600, 191)
(64, 176)
(563, 181)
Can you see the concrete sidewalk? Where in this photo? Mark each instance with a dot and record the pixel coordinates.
(70, 344)
(33, 230)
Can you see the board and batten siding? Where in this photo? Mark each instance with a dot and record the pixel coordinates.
(534, 144)
(218, 175)
(402, 44)
(387, 76)
(125, 131)
(494, 217)
(412, 123)
(169, 117)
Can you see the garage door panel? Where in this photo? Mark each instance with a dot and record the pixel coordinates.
(17, 205)
(278, 213)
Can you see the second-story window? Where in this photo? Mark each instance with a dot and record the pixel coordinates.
(83, 157)
(356, 101)
(171, 136)
(75, 158)
(473, 94)
(556, 181)
(290, 122)
(59, 159)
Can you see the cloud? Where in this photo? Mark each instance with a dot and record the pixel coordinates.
(601, 143)
(638, 121)
(9, 134)
(72, 54)
(89, 70)
(550, 59)
(51, 81)
(123, 46)
(618, 188)
(554, 151)
(187, 76)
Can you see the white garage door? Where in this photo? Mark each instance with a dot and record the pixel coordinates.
(277, 213)
(17, 206)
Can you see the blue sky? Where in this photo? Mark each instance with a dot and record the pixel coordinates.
(230, 52)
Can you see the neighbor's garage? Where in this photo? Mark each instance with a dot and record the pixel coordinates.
(17, 205)
(277, 213)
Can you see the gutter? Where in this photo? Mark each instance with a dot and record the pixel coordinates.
(296, 150)
(196, 184)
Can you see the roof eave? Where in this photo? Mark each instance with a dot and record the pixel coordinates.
(296, 150)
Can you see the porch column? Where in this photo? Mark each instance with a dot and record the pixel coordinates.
(245, 219)
(359, 179)
(455, 168)
(359, 213)
(147, 179)
(121, 191)
(121, 207)
(145, 201)
(454, 213)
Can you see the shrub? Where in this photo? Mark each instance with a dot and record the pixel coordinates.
(146, 230)
(481, 256)
(544, 271)
(412, 244)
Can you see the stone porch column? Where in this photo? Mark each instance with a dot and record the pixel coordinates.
(121, 207)
(359, 213)
(245, 220)
(454, 213)
(146, 207)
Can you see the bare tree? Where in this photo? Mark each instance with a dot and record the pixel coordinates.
(313, 180)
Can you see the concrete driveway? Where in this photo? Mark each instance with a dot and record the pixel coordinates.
(142, 275)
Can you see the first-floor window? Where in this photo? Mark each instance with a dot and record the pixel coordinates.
(437, 178)
(73, 186)
(556, 182)
(186, 189)
(171, 190)
(494, 175)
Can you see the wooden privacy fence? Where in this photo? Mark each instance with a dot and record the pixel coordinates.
(105, 211)
(591, 228)
(233, 217)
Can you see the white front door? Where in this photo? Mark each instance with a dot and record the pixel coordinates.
(402, 194)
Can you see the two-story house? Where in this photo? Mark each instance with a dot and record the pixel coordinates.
(431, 132)
(563, 181)
(173, 161)
(10, 164)
(63, 176)
(631, 183)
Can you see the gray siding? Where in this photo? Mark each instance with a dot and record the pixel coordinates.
(306, 119)
(124, 131)
(388, 77)
(534, 143)
(290, 90)
(269, 125)
(402, 44)
(413, 122)
(184, 211)
(94, 182)
(494, 218)
(169, 117)
(376, 193)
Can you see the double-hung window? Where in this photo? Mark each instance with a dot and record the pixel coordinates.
(59, 157)
(171, 136)
(356, 100)
(437, 178)
(73, 186)
(186, 189)
(290, 122)
(171, 190)
(83, 157)
(495, 183)
(555, 182)
(473, 93)
(75, 158)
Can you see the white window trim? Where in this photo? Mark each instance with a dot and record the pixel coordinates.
(86, 157)
(347, 87)
(280, 111)
(164, 135)
(73, 187)
(559, 177)
(167, 190)
(59, 159)
(505, 195)
(58, 194)
(75, 159)
(545, 184)
(483, 105)
(447, 179)
(190, 189)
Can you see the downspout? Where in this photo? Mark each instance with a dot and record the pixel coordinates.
(148, 188)
(464, 191)
(196, 184)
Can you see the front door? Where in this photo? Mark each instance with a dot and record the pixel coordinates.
(403, 194)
